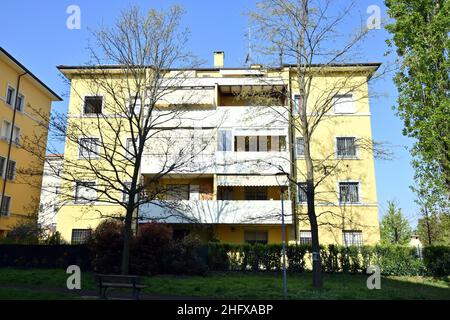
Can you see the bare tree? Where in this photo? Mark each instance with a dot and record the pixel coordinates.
(127, 104)
(307, 36)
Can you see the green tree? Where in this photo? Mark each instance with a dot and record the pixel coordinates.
(434, 229)
(395, 228)
(420, 35)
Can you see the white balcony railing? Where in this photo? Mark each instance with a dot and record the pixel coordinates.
(217, 211)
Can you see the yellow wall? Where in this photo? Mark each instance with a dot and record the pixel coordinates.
(362, 216)
(234, 234)
(24, 190)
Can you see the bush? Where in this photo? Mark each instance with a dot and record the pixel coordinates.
(437, 260)
(149, 247)
(105, 245)
(296, 257)
(398, 260)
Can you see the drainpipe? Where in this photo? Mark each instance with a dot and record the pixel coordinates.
(8, 157)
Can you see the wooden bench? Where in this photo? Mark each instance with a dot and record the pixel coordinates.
(106, 281)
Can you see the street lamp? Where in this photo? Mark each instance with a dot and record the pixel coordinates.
(283, 188)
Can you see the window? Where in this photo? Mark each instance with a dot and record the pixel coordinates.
(255, 193)
(302, 192)
(298, 100)
(6, 132)
(305, 237)
(20, 102)
(11, 170)
(260, 143)
(344, 103)
(6, 129)
(89, 147)
(5, 205)
(348, 192)
(130, 147)
(84, 192)
(352, 238)
(93, 105)
(10, 93)
(2, 166)
(135, 105)
(299, 147)
(346, 147)
(16, 135)
(254, 237)
(177, 192)
(224, 140)
(80, 236)
(125, 193)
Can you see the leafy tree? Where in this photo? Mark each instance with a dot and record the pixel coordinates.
(395, 228)
(420, 35)
(434, 229)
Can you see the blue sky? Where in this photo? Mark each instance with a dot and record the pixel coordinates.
(40, 40)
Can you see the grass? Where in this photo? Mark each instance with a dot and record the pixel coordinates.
(231, 286)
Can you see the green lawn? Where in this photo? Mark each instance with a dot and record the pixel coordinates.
(42, 284)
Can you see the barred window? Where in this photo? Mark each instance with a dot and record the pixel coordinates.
(300, 146)
(256, 236)
(352, 238)
(348, 192)
(346, 146)
(302, 197)
(305, 237)
(5, 205)
(11, 170)
(80, 236)
(89, 147)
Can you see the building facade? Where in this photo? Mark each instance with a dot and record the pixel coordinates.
(23, 99)
(238, 186)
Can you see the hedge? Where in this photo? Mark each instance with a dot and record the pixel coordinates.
(44, 256)
(392, 260)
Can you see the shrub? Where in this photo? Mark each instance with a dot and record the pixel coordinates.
(437, 260)
(218, 256)
(149, 247)
(105, 245)
(398, 260)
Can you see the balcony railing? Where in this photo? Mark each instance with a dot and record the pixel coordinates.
(217, 211)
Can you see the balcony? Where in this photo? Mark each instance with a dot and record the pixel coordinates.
(217, 211)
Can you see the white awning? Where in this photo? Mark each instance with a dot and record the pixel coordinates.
(229, 180)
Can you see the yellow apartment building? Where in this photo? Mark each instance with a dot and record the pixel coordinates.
(233, 190)
(22, 94)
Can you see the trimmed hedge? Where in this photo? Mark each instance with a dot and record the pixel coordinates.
(437, 260)
(44, 256)
(393, 260)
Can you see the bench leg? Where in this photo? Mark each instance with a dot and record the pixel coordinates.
(136, 293)
(103, 294)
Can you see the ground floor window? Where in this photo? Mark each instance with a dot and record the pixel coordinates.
(352, 238)
(256, 236)
(80, 236)
(305, 237)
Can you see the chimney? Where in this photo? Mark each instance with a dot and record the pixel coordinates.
(219, 58)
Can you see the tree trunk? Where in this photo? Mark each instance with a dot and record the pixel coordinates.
(126, 243)
(427, 221)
